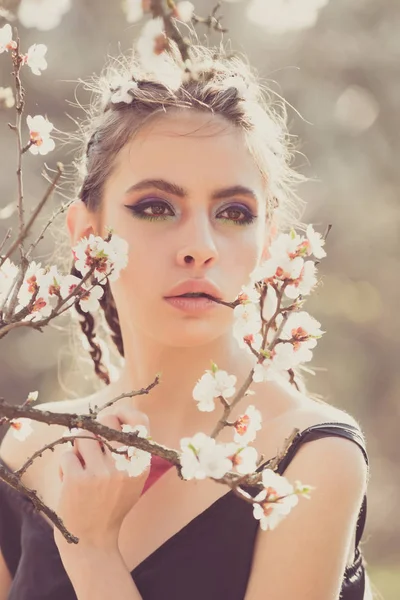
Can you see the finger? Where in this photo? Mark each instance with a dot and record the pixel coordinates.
(69, 465)
(90, 451)
(116, 420)
(125, 415)
(111, 421)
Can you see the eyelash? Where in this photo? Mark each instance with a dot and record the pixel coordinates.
(138, 210)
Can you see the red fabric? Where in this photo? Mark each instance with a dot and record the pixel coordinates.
(158, 467)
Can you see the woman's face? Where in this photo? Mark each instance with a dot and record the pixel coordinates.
(200, 155)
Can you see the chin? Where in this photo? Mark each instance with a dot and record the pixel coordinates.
(191, 334)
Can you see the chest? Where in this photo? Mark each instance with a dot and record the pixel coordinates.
(168, 507)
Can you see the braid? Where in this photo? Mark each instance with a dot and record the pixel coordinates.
(87, 325)
(107, 303)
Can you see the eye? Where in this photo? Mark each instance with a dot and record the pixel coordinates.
(248, 216)
(157, 210)
(158, 214)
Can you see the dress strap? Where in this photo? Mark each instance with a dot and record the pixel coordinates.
(315, 432)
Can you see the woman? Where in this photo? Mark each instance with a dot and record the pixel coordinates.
(197, 179)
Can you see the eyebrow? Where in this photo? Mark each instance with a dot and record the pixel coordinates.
(177, 190)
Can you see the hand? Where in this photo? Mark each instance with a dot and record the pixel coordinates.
(95, 496)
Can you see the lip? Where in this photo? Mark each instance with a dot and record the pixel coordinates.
(191, 305)
(195, 285)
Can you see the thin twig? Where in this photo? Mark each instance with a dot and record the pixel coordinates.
(34, 215)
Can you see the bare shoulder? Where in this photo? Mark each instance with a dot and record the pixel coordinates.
(14, 452)
(290, 410)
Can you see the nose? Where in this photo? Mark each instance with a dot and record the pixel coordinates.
(198, 247)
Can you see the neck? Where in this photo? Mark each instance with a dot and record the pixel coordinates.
(170, 405)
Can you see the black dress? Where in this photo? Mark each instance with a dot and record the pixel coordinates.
(201, 561)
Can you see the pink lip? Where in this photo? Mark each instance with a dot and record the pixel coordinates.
(195, 285)
(191, 305)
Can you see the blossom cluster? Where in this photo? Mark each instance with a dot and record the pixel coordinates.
(40, 127)
(285, 273)
(43, 287)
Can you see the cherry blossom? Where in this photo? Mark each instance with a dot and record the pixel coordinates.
(22, 428)
(122, 93)
(305, 283)
(247, 321)
(95, 251)
(244, 458)
(246, 425)
(285, 16)
(150, 47)
(6, 41)
(271, 512)
(39, 129)
(283, 358)
(42, 14)
(270, 304)
(211, 385)
(184, 11)
(315, 242)
(303, 329)
(130, 459)
(88, 299)
(30, 283)
(6, 97)
(35, 58)
(135, 9)
(237, 82)
(8, 273)
(202, 457)
(44, 282)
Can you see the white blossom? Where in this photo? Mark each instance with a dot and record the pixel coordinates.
(37, 280)
(247, 424)
(305, 283)
(270, 304)
(89, 302)
(22, 428)
(94, 250)
(134, 10)
(284, 358)
(88, 299)
(315, 242)
(6, 97)
(136, 462)
(151, 46)
(35, 58)
(285, 16)
(244, 458)
(210, 386)
(238, 82)
(30, 283)
(42, 14)
(184, 11)
(141, 429)
(271, 513)
(6, 41)
(202, 457)
(68, 284)
(303, 328)
(249, 293)
(247, 321)
(8, 273)
(39, 129)
(152, 41)
(122, 93)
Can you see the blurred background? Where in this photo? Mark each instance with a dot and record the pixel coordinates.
(337, 64)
